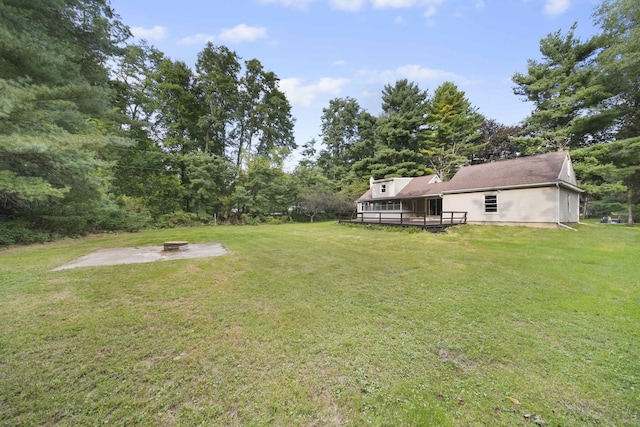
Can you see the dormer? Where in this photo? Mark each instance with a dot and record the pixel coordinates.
(388, 187)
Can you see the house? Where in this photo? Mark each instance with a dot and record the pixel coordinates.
(538, 190)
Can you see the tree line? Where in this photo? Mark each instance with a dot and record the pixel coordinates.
(100, 134)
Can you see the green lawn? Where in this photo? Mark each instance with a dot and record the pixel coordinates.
(322, 324)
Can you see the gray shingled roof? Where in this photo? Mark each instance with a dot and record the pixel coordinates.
(523, 171)
(421, 187)
(366, 196)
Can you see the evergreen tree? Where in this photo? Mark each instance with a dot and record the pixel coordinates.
(566, 90)
(56, 125)
(619, 63)
(611, 168)
(398, 134)
(453, 128)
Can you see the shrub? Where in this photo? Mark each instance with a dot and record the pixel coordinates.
(183, 219)
(21, 232)
(117, 218)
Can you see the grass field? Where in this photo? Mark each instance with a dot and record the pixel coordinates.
(326, 324)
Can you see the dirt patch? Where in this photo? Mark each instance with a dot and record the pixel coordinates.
(113, 256)
(457, 358)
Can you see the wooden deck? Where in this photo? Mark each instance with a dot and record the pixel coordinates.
(409, 219)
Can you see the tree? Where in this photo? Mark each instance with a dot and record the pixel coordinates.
(566, 90)
(217, 71)
(315, 193)
(246, 114)
(56, 123)
(614, 167)
(210, 179)
(587, 94)
(267, 186)
(497, 142)
(339, 135)
(404, 112)
(398, 133)
(267, 115)
(453, 128)
(142, 175)
(177, 108)
(619, 63)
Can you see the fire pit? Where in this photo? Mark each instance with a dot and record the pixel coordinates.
(176, 246)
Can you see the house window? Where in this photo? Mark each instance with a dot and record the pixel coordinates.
(383, 188)
(491, 203)
(390, 205)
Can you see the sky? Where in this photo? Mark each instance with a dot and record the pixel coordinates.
(327, 49)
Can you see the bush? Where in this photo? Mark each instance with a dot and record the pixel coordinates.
(116, 218)
(21, 232)
(183, 219)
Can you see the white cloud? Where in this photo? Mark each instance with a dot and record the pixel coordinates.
(357, 5)
(395, 4)
(405, 4)
(239, 33)
(348, 5)
(150, 34)
(417, 72)
(413, 72)
(197, 39)
(431, 10)
(301, 95)
(339, 62)
(556, 7)
(298, 4)
(242, 33)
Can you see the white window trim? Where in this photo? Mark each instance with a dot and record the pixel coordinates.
(497, 204)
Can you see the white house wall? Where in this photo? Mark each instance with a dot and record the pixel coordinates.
(569, 205)
(530, 205)
(393, 187)
(567, 173)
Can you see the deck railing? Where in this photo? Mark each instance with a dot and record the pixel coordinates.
(410, 218)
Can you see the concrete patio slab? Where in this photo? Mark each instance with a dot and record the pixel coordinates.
(113, 256)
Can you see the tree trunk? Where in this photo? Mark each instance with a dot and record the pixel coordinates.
(585, 208)
(629, 205)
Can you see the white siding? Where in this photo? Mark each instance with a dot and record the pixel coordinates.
(567, 174)
(392, 187)
(569, 206)
(530, 205)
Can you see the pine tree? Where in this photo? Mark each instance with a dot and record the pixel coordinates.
(453, 127)
(56, 126)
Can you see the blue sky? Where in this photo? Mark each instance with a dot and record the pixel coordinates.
(325, 49)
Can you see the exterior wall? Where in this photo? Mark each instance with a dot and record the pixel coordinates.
(529, 205)
(392, 187)
(569, 205)
(567, 174)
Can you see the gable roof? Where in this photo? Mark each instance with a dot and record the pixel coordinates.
(415, 187)
(532, 171)
(521, 172)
